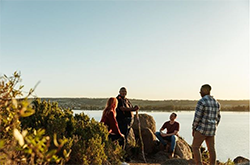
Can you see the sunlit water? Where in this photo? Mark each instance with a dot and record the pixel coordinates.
(232, 138)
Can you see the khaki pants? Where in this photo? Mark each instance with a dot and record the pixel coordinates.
(197, 141)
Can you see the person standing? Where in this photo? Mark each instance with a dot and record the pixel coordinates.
(172, 127)
(206, 119)
(124, 112)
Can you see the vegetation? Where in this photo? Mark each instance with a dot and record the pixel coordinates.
(40, 132)
(148, 105)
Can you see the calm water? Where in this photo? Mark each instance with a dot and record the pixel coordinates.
(232, 137)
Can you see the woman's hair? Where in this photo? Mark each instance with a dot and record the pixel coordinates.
(111, 104)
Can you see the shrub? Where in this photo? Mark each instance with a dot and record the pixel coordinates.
(29, 132)
(20, 146)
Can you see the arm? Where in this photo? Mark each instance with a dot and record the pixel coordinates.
(169, 134)
(163, 127)
(198, 115)
(114, 124)
(219, 116)
(129, 109)
(126, 107)
(176, 130)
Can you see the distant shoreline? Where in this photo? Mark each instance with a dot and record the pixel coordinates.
(148, 105)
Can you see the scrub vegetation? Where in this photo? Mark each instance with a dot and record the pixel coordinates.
(39, 132)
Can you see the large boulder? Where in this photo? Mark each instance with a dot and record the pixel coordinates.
(241, 161)
(148, 139)
(182, 149)
(146, 121)
(131, 142)
(148, 127)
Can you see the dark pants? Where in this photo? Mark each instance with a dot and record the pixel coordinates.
(125, 125)
(115, 137)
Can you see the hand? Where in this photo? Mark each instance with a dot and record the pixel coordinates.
(163, 134)
(122, 136)
(136, 108)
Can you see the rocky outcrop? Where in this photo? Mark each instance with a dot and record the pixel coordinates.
(183, 149)
(148, 128)
(148, 138)
(146, 121)
(152, 146)
(131, 138)
(241, 161)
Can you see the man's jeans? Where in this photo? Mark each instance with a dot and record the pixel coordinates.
(197, 141)
(171, 139)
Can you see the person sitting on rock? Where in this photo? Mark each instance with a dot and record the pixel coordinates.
(109, 119)
(172, 130)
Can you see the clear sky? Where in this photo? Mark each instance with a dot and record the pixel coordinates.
(157, 49)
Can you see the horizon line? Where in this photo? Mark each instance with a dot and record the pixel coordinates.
(175, 99)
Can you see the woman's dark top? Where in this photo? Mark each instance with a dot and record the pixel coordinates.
(110, 121)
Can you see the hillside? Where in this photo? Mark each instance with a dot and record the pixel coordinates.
(160, 105)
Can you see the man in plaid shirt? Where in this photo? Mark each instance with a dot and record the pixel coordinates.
(206, 119)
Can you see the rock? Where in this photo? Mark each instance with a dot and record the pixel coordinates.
(241, 161)
(131, 138)
(146, 121)
(183, 149)
(152, 146)
(148, 138)
(161, 156)
(148, 128)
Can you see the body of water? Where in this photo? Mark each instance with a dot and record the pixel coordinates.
(232, 137)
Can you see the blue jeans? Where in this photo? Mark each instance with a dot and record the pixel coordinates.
(171, 139)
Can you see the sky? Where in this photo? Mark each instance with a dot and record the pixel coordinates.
(158, 50)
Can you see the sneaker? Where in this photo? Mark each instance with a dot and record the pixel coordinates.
(171, 155)
(124, 163)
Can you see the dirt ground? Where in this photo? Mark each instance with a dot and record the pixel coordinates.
(144, 164)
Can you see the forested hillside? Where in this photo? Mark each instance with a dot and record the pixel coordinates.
(152, 105)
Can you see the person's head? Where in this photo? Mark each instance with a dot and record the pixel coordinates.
(173, 116)
(205, 90)
(111, 105)
(123, 91)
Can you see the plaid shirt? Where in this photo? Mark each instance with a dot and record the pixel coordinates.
(207, 116)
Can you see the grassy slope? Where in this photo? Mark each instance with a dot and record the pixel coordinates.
(99, 103)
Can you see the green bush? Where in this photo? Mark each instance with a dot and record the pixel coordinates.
(87, 139)
(21, 146)
(40, 132)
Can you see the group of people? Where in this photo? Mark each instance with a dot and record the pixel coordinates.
(118, 117)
